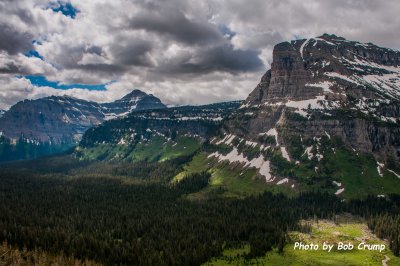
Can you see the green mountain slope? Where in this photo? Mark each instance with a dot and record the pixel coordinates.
(156, 135)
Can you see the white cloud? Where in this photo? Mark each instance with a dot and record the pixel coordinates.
(175, 49)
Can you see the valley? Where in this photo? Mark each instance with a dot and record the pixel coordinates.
(137, 213)
(311, 155)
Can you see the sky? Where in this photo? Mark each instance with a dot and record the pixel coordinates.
(184, 52)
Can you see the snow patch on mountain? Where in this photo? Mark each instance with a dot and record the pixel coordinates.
(308, 150)
(379, 168)
(339, 191)
(283, 181)
(337, 183)
(274, 133)
(302, 48)
(285, 154)
(234, 156)
(393, 172)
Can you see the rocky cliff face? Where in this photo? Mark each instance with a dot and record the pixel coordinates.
(325, 116)
(63, 120)
(328, 86)
(52, 119)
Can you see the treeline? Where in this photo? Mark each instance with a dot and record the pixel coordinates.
(387, 226)
(193, 182)
(114, 222)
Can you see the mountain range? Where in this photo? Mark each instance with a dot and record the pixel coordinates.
(63, 119)
(155, 135)
(325, 116)
(56, 123)
(313, 153)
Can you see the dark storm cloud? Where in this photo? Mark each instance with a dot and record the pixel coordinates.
(226, 58)
(105, 68)
(220, 59)
(10, 68)
(14, 41)
(132, 52)
(94, 49)
(175, 24)
(25, 15)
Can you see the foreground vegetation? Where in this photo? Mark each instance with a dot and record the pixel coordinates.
(13, 256)
(137, 214)
(344, 228)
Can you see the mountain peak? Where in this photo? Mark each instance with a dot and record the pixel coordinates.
(327, 36)
(135, 100)
(135, 94)
(334, 87)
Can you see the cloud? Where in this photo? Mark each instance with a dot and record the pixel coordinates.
(13, 90)
(13, 41)
(183, 51)
(24, 65)
(135, 52)
(167, 19)
(223, 58)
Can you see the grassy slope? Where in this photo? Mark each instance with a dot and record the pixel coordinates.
(157, 149)
(348, 230)
(228, 179)
(360, 176)
(357, 173)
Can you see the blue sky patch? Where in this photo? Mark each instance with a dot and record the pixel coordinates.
(65, 8)
(33, 53)
(41, 81)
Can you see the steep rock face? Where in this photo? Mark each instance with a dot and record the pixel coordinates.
(52, 119)
(63, 120)
(328, 86)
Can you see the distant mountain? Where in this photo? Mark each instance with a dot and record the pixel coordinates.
(62, 120)
(153, 135)
(54, 119)
(136, 100)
